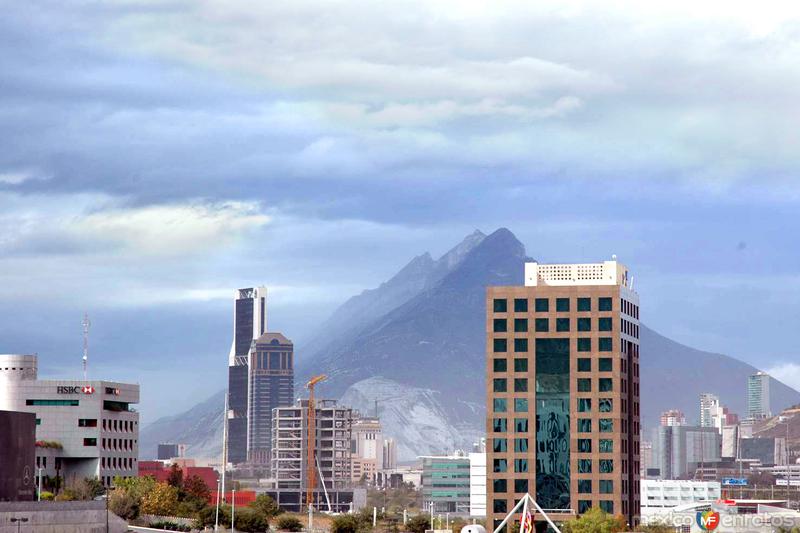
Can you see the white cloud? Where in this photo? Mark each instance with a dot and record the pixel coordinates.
(17, 177)
(789, 373)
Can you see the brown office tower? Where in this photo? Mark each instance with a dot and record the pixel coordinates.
(563, 392)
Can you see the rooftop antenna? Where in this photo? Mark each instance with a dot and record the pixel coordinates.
(86, 324)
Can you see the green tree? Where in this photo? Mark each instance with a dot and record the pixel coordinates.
(250, 521)
(346, 523)
(290, 523)
(595, 520)
(418, 524)
(195, 487)
(123, 504)
(265, 507)
(136, 487)
(162, 500)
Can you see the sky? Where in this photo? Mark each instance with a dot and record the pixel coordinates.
(158, 154)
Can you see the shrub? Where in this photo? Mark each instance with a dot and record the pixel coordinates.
(123, 504)
(250, 521)
(418, 524)
(346, 523)
(290, 523)
(265, 507)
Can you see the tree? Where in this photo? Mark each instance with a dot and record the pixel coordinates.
(418, 524)
(655, 527)
(265, 507)
(123, 504)
(250, 521)
(595, 520)
(175, 477)
(346, 523)
(290, 523)
(195, 487)
(136, 487)
(162, 500)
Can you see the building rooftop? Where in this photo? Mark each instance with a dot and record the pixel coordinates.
(565, 274)
(272, 337)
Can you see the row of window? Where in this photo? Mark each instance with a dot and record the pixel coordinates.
(604, 364)
(119, 425)
(123, 463)
(629, 308)
(583, 445)
(605, 466)
(542, 305)
(583, 385)
(629, 328)
(542, 325)
(604, 344)
(501, 506)
(118, 444)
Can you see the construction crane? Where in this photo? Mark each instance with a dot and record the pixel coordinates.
(311, 472)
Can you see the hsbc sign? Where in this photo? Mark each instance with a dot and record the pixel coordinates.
(86, 389)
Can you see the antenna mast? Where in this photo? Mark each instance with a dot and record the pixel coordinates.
(86, 324)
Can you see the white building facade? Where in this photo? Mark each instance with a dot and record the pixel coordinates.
(659, 496)
(477, 485)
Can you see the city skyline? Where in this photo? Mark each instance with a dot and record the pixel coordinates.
(141, 182)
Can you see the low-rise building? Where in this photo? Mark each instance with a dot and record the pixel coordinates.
(659, 495)
(477, 484)
(446, 484)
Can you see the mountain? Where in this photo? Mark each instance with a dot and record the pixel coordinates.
(416, 344)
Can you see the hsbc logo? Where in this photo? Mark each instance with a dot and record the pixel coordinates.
(86, 389)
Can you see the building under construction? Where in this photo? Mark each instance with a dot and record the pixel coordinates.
(330, 488)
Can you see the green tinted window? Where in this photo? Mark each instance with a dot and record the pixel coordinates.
(584, 364)
(500, 365)
(604, 323)
(521, 325)
(606, 466)
(604, 385)
(520, 425)
(605, 405)
(604, 304)
(500, 506)
(520, 365)
(520, 384)
(542, 324)
(500, 465)
(521, 345)
(606, 425)
(585, 445)
(584, 304)
(500, 445)
(520, 465)
(584, 324)
(520, 405)
(520, 486)
(584, 505)
(606, 445)
(605, 344)
(500, 345)
(562, 324)
(500, 425)
(500, 305)
(584, 405)
(584, 345)
(562, 305)
(520, 445)
(542, 305)
(585, 486)
(607, 506)
(500, 385)
(500, 485)
(500, 405)
(584, 425)
(584, 385)
(584, 466)
(605, 364)
(606, 486)
(500, 325)
(520, 305)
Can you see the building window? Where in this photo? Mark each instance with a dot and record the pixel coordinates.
(542, 305)
(500, 425)
(604, 304)
(520, 425)
(606, 486)
(605, 364)
(500, 345)
(562, 324)
(521, 345)
(607, 505)
(584, 304)
(66, 403)
(521, 325)
(585, 445)
(500, 445)
(520, 405)
(520, 485)
(520, 445)
(520, 365)
(562, 305)
(605, 384)
(500, 405)
(500, 365)
(606, 425)
(604, 323)
(606, 466)
(520, 305)
(87, 422)
(500, 485)
(520, 465)
(90, 441)
(605, 344)
(584, 385)
(38, 421)
(584, 345)
(584, 324)
(500, 385)
(584, 425)
(520, 384)
(500, 305)
(542, 324)
(584, 405)
(500, 325)
(605, 405)
(584, 364)
(500, 506)
(606, 446)
(500, 465)
(584, 486)
(584, 505)
(584, 466)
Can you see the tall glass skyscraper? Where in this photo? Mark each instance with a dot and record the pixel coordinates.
(563, 391)
(249, 323)
(758, 395)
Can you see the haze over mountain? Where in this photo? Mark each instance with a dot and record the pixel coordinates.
(416, 345)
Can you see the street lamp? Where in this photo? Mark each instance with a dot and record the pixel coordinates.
(19, 522)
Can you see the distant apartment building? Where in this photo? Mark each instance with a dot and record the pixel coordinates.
(477, 484)
(249, 323)
(673, 417)
(679, 450)
(758, 405)
(563, 391)
(645, 458)
(446, 484)
(708, 404)
(367, 448)
(270, 385)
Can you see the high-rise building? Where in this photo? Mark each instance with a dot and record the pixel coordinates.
(708, 404)
(389, 453)
(679, 450)
(563, 391)
(758, 395)
(270, 385)
(249, 323)
(367, 448)
(673, 417)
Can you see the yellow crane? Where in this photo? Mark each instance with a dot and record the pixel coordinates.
(311, 472)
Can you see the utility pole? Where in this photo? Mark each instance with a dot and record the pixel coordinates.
(233, 509)
(86, 324)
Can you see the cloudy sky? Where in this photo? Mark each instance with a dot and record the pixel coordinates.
(157, 154)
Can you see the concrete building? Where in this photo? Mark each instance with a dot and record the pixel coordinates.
(661, 495)
(446, 484)
(60, 517)
(17, 447)
(477, 484)
(389, 453)
(758, 405)
(708, 404)
(563, 391)
(730, 442)
(168, 450)
(673, 417)
(645, 457)
(83, 428)
(270, 385)
(366, 448)
(249, 323)
(721, 416)
(763, 451)
(679, 450)
(332, 443)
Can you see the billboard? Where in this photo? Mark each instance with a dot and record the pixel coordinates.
(18, 443)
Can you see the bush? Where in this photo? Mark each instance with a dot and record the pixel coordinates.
(123, 505)
(169, 526)
(265, 507)
(346, 523)
(290, 523)
(47, 496)
(418, 524)
(250, 521)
